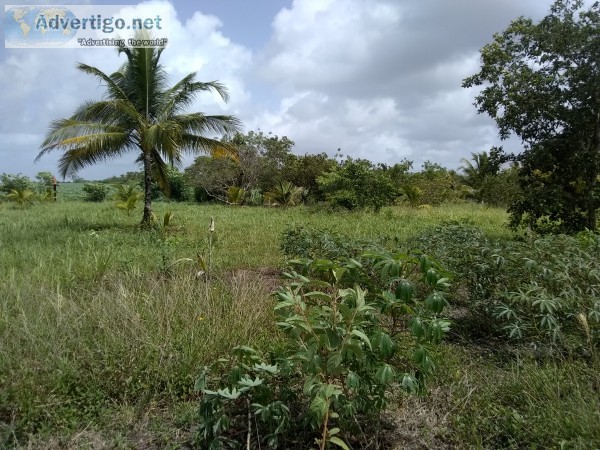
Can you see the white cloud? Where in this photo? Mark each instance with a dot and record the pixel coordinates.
(382, 79)
(41, 85)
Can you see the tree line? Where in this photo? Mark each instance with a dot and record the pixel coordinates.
(539, 81)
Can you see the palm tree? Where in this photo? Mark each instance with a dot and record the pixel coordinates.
(127, 196)
(23, 197)
(475, 171)
(285, 193)
(141, 113)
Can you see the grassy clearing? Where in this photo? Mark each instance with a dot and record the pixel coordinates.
(70, 191)
(103, 329)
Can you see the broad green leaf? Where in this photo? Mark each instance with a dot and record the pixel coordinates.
(337, 441)
(318, 407)
(352, 380)
(338, 273)
(416, 327)
(319, 295)
(385, 374)
(361, 335)
(405, 291)
(263, 367)
(386, 346)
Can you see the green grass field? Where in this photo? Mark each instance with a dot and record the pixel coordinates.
(104, 328)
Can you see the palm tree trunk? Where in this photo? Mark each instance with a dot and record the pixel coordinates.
(147, 217)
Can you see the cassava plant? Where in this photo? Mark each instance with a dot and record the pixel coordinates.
(344, 351)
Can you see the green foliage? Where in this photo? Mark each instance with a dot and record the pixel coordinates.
(502, 189)
(554, 194)
(412, 195)
(436, 185)
(258, 161)
(8, 182)
(541, 83)
(303, 242)
(235, 195)
(45, 181)
(212, 176)
(126, 197)
(95, 192)
(140, 112)
(284, 194)
(126, 178)
(341, 358)
(305, 170)
(526, 403)
(46, 196)
(24, 197)
(261, 158)
(551, 292)
(255, 198)
(542, 290)
(176, 187)
(484, 164)
(358, 184)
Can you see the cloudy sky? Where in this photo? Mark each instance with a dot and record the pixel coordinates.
(379, 79)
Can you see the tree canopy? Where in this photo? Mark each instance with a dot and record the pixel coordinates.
(140, 113)
(541, 82)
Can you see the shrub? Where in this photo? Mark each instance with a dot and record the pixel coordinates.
(501, 189)
(126, 197)
(345, 349)
(255, 198)
(284, 194)
(9, 182)
(358, 184)
(542, 290)
(236, 195)
(24, 197)
(95, 192)
(302, 242)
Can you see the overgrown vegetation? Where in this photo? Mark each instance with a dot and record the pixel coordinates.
(428, 324)
(344, 350)
(122, 324)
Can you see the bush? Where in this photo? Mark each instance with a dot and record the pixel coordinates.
(501, 189)
(19, 182)
(95, 192)
(542, 290)
(345, 350)
(358, 184)
(301, 242)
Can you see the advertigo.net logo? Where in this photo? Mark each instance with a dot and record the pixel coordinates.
(76, 26)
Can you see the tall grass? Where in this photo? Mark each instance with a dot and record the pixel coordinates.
(95, 314)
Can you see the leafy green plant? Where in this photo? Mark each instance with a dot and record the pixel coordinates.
(284, 194)
(529, 73)
(554, 294)
(540, 289)
(412, 194)
(235, 195)
(46, 196)
(255, 198)
(127, 196)
(358, 184)
(24, 197)
(95, 192)
(45, 181)
(303, 242)
(345, 350)
(8, 182)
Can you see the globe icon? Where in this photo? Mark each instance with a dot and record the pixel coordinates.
(31, 26)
